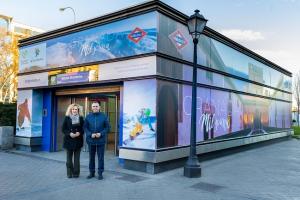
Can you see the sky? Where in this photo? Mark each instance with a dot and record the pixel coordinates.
(270, 28)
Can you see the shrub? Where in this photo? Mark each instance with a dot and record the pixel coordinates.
(8, 114)
(296, 130)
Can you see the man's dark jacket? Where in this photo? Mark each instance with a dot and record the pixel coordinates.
(96, 123)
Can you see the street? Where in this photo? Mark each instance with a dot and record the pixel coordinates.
(269, 172)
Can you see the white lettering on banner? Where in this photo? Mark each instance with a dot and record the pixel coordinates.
(188, 99)
(87, 49)
(208, 120)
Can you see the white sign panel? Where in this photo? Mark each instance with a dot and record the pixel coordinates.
(32, 58)
(33, 80)
(128, 68)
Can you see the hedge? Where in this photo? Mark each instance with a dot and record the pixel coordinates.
(296, 130)
(8, 114)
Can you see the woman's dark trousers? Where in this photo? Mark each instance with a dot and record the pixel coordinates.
(100, 153)
(73, 168)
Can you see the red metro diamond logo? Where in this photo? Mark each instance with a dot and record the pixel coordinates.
(136, 35)
(178, 39)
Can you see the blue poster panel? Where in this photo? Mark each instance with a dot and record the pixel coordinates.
(128, 37)
(37, 112)
(139, 114)
(73, 77)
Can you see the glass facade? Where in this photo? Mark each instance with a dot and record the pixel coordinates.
(216, 55)
(242, 96)
(183, 72)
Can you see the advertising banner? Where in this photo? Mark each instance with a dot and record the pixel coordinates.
(24, 113)
(32, 58)
(128, 37)
(139, 114)
(220, 115)
(33, 80)
(29, 113)
(130, 68)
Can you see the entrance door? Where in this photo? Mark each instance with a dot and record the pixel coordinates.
(109, 105)
(62, 105)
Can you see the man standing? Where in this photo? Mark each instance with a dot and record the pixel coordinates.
(96, 126)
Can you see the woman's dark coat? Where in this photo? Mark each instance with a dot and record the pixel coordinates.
(69, 142)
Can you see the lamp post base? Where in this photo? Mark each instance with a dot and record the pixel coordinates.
(192, 171)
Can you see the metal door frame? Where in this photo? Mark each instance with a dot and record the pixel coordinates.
(72, 93)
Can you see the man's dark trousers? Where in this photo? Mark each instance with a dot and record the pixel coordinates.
(100, 153)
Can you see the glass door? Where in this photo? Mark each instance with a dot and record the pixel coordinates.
(62, 104)
(109, 105)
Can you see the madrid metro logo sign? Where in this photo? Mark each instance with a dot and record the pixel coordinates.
(178, 39)
(136, 35)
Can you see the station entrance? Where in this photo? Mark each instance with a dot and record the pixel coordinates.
(109, 98)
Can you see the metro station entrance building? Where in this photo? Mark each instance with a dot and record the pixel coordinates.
(138, 63)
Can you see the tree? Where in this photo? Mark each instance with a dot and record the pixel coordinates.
(8, 65)
(297, 93)
(9, 61)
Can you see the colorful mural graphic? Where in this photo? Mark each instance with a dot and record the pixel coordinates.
(139, 114)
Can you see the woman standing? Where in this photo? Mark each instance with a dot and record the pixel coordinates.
(73, 139)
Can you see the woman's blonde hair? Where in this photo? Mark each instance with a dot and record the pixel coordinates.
(69, 109)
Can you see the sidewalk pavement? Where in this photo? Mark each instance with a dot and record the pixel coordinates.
(269, 172)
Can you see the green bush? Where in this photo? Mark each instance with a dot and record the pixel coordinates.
(296, 130)
(8, 114)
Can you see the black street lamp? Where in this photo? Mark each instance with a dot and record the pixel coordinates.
(196, 24)
(74, 15)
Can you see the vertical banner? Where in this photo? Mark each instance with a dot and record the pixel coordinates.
(37, 112)
(139, 114)
(29, 113)
(24, 113)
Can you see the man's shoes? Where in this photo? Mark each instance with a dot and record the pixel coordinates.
(70, 176)
(75, 176)
(100, 177)
(90, 176)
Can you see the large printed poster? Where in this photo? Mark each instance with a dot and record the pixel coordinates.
(29, 113)
(139, 114)
(24, 113)
(128, 37)
(220, 115)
